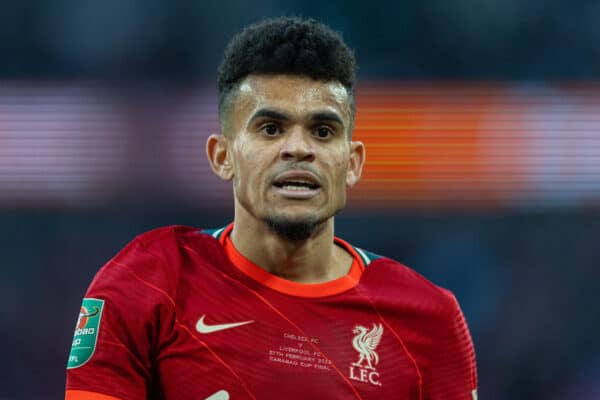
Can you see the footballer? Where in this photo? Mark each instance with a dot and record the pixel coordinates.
(272, 305)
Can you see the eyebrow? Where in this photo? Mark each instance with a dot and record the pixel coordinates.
(325, 116)
(269, 113)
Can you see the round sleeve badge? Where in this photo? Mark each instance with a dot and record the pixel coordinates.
(86, 332)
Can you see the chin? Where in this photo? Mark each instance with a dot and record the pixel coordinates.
(295, 228)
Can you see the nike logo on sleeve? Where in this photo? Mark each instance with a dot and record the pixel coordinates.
(204, 328)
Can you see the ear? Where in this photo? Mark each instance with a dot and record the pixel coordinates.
(357, 160)
(217, 151)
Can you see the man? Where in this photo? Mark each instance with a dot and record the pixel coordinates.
(272, 306)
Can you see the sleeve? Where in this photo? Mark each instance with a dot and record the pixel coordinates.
(452, 374)
(125, 312)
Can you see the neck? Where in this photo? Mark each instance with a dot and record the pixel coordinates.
(313, 260)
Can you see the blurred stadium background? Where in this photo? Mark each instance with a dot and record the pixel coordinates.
(482, 125)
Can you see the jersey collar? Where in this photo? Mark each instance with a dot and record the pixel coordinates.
(310, 290)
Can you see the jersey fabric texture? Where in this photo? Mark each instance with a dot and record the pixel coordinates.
(187, 317)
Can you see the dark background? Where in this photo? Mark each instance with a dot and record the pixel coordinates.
(525, 275)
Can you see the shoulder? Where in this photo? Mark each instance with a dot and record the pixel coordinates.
(155, 258)
(165, 242)
(171, 236)
(386, 277)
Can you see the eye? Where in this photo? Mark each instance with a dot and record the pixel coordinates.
(270, 129)
(323, 132)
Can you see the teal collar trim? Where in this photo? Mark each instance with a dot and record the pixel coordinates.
(366, 256)
(216, 233)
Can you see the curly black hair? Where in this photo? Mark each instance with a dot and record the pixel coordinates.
(286, 45)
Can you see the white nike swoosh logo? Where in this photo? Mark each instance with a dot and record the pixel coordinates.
(202, 327)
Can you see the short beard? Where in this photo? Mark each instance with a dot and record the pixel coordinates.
(295, 231)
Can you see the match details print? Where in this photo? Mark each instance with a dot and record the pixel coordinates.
(299, 351)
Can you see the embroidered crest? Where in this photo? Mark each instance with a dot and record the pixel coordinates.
(365, 342)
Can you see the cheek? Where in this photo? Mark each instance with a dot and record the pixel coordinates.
(245, 169)
(248, 172)
(340, 167)
(243, 163)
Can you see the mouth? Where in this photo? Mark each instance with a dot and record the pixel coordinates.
(299, 185)
(296, 185)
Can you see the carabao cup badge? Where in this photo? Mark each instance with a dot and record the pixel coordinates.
(86, 332)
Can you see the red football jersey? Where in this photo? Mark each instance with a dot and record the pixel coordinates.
(180, 314)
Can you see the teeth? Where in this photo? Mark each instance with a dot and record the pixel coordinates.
(296, 188)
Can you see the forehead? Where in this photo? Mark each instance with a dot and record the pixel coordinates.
(290, 93)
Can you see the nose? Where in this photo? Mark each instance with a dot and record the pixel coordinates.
(297, 146)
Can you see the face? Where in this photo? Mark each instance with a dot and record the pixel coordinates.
(287, 148)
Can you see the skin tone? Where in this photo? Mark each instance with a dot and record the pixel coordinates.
(286, 147)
